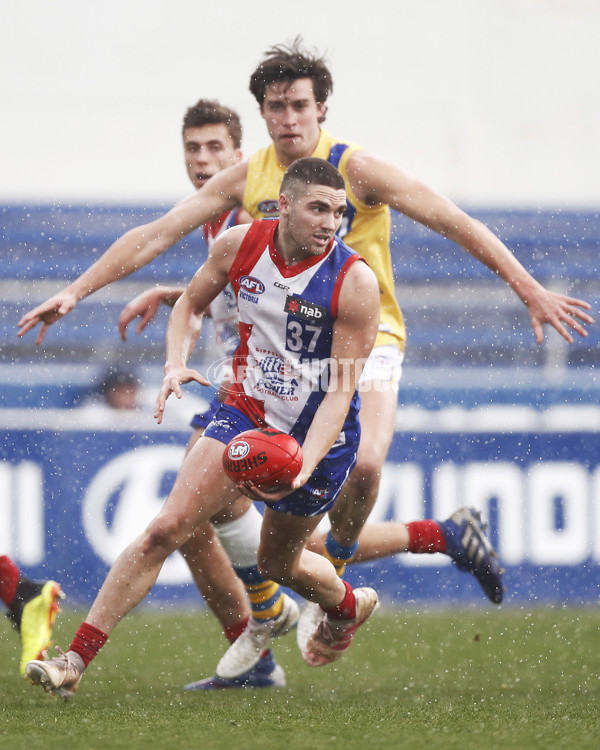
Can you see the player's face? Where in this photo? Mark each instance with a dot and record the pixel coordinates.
(292, 115)
(208, 149)
(310, 220)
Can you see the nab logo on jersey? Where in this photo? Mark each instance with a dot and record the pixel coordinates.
(252, 285)
(304, 309)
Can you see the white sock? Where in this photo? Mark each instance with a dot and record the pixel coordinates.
(241, 537)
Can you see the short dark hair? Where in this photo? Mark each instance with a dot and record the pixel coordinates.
(210, 112)
(311, 171)
(115, 377)
(289, 63)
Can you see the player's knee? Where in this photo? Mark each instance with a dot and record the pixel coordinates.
(165, 534)
(316, 542)
(199, 543)
(274, 569)
(366, 474)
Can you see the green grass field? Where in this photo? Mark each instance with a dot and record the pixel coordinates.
(476, 678)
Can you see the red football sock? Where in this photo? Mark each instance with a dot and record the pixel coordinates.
(9, 578)
(233, 632)
(425, 536)
(346, 609)
(88, 641)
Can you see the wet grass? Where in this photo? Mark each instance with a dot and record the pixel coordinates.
(512, 678)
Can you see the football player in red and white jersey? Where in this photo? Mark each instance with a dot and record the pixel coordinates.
(301, 243)
(212, 135)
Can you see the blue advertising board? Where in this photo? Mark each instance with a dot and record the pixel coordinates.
(72, 497)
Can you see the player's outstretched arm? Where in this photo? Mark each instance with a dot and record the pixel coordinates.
(376, 181)
(139, 246)
(185, 322)
(145, 306)
(132, 251)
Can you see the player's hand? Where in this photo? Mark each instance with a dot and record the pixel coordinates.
(144, 306)
(254, 493)
(559, 311)
(172, 382)
(47, 313)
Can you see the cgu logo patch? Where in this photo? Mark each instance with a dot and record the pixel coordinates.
(269, 207)
(304, 309)
(252, 285)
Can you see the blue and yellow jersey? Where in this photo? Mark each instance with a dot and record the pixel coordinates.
(365, 229)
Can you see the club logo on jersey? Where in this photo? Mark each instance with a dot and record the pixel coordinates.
(250, 288)
(304, 309)
(269, 207)
(277, 378)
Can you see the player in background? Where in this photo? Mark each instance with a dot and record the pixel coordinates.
(321, 274)
(32, 607)
(212, 137)
(291, 87)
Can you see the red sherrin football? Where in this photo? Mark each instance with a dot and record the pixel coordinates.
(266, 457)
